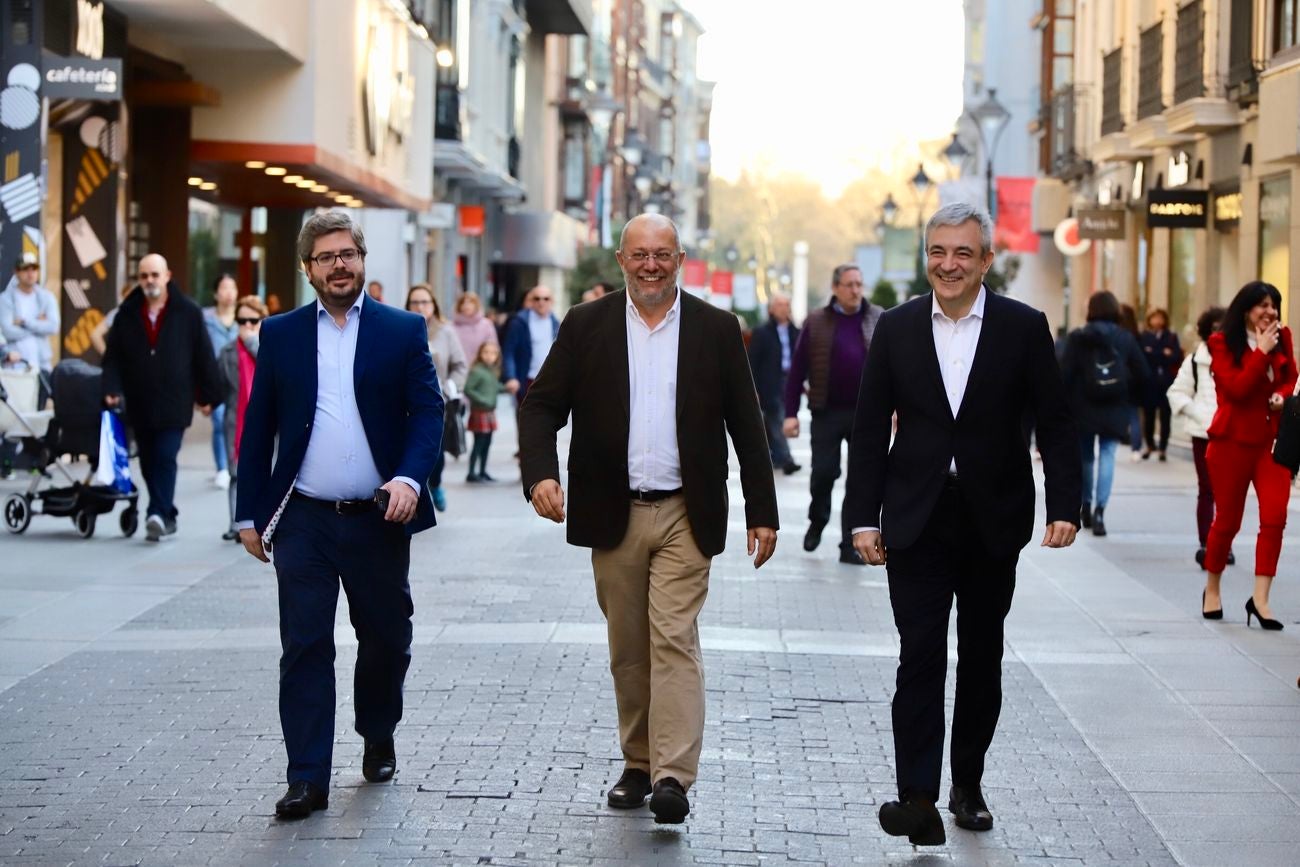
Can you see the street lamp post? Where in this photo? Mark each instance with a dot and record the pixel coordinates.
(921, 183)
(991, 118)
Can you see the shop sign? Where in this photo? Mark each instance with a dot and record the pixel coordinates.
(1180, 169)
(1274, 207)
(1227, 209)
(1178, 209)
(1102, 224)
(83, 78)
(473, 220)
(1067, 238)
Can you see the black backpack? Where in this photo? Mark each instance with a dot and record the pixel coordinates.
(1105, 377)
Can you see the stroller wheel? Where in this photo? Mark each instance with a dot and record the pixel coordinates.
(130, 522)
(85, 522)
(18, 513)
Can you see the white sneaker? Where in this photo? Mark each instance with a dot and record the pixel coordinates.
(154, 528)
(222, 479)
(1135, 457)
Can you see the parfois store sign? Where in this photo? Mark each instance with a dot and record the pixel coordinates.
(1178, 209)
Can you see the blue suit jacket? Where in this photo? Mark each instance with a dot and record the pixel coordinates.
(397, 393)
(517, 354)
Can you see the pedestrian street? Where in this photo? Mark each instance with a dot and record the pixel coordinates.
(138, 720)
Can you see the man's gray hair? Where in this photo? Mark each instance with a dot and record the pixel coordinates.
(957, 214)
(840, 270)
(324, 224)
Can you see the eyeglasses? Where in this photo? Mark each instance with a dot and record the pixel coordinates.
(325, 260)
(250, 321)
(641, 258)
(145, 275)
(416, 302)
(541, 297)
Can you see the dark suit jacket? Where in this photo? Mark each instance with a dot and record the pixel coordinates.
(397, 395)
(1013, 382)
(517, 353)
(586, 374)
(765, 361)
(161, 385)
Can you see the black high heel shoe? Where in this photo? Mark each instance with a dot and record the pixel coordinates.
(1264, 622)
(1216, 614)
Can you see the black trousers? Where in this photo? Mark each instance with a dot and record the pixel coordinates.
(830, 427)
(315, 549)
(1161, 411)
(948, 560)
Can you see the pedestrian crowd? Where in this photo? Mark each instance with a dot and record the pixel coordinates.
(331, 426)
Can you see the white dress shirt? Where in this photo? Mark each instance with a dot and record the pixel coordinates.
(541, 333)
(954, 345)
(653, 461)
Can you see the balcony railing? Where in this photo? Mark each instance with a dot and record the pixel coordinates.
(1243, 82)
(1150, 71)
(1112, 114)
(1066, 105)
(446, 114)
(1189, 53)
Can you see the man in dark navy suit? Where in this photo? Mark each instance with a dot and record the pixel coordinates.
(949, 505)
(346, 398)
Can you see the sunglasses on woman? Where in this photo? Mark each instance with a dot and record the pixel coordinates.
(249, 321)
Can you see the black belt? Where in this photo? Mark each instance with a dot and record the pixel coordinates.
(339, 507)
(653, 496)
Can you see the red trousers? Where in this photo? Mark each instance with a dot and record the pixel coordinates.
(1233, 468)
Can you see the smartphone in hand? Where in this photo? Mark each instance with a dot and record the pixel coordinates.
(381, 500)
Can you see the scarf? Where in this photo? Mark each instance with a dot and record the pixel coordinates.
(247, 363)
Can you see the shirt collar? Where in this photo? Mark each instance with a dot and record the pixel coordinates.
(356, 305)
(976, 310)
(673, 312)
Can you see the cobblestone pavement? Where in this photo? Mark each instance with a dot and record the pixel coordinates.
(138, 722)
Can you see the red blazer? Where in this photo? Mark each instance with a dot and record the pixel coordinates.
(1243, 389)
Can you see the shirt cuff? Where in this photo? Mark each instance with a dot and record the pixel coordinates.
(245, 525)
(857, 530)
(410, 483)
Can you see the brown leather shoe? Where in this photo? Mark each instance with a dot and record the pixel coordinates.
(916, 819)
(302, 799)
(668, 802)
(968, 808)
(379, 762)
(630, 791)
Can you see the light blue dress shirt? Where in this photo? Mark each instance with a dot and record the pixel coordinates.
(783, 334)
(542, 334)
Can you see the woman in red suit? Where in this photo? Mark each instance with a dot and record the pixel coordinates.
(1254, 369)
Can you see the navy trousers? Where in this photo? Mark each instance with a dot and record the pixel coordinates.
(158, 449)
(315, 549)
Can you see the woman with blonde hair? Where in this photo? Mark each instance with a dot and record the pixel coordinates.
(448, 360)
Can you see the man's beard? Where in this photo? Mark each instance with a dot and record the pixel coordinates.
(152, 292)
(326, 292)
(654, 292)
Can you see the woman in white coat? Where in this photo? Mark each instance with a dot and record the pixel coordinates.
(1192, 396)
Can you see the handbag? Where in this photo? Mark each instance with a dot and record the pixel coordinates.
(453, 429)
(1286, 448)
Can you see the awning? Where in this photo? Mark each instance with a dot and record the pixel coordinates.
(547, 238)
(452, 159)
(276, 175)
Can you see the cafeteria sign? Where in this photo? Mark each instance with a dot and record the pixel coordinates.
(1178, 209)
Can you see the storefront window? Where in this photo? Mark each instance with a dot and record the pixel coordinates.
(1182, 276)
(1274, 226)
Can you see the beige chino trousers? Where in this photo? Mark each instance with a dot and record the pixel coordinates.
(651, 589)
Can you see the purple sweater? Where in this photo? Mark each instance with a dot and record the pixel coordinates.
(848, 357)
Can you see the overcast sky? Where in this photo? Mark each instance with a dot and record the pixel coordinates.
(828, 87)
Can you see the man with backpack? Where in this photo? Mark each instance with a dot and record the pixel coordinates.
(1103, 371)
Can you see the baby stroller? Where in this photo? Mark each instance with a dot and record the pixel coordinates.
(71, 429)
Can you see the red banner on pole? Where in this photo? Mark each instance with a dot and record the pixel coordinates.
(1015, 227)
(721, 283)
(695, 276)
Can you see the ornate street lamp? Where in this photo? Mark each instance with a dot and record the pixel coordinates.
(921, 183)
(991, 118)
(955, 152)
(889, 209)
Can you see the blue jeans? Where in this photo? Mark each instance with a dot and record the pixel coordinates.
(219, 436)
(157, 450)
(1135, 429)
(1105, 461)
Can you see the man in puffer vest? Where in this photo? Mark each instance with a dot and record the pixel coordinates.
(829, 355)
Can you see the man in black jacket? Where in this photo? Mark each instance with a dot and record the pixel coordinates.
(159, 362)
(952, 503)
(770, 351)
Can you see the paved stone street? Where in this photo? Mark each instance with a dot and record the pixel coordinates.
(138, 720)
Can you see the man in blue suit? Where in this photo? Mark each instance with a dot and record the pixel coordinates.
(346, 398)
(528, 341)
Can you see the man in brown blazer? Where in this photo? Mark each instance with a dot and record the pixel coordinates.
(655, 380)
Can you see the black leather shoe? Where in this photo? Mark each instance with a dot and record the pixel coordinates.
(1099, 522)
(968, 809)
(668, 802)
(230, 536)
(916, 819)
(849, 556)
(630, 791)
(302, 799)
(1085, 516)
(813, 537)
(1199, 556)
(379, 762)
(791, 468)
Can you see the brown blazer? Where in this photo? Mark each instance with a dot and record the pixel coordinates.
(586, 374)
